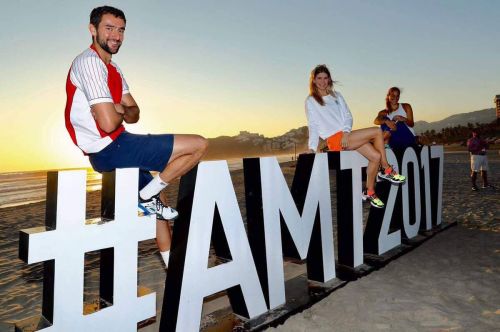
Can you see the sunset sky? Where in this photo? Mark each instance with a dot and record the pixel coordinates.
(218, 67)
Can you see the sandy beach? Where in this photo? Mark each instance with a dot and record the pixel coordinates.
(450, 283)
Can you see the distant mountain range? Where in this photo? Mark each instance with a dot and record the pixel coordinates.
(482, 116)
(247, 144)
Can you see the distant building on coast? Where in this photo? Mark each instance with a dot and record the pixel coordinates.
(497, 103)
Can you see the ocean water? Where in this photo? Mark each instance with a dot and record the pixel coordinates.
(30, 187)
(19, 188)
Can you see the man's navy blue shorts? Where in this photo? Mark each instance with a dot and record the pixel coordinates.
(146, 152)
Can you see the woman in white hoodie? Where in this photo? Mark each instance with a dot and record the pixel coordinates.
(329, 117)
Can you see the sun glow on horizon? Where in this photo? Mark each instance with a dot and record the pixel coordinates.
(42, 141)
(216, 69)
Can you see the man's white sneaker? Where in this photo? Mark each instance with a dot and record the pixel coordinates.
(146, 207)
(155, 206)
(164, 212)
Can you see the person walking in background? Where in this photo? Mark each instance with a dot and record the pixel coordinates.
(396, 121)
(99, 101)
(478, 159)
(329, 117)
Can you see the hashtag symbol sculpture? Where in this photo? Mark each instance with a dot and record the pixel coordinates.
(62, 245)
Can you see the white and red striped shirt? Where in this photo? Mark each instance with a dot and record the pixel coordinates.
(91, 81)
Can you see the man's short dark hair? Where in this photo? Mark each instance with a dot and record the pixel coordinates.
(96, 14)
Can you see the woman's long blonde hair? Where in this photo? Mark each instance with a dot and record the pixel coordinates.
(313, 90)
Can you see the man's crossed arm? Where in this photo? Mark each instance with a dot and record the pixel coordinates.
(110, 116)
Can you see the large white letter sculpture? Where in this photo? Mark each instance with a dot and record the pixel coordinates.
(419, 198)
(353, 161)
(65, 243)
(437, 152)
(213, 198)
(411, 230)
(386, 239)
(426, 182)
(278, 202)
(296, 224)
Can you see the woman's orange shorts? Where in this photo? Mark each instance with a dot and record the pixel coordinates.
(334, 142)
